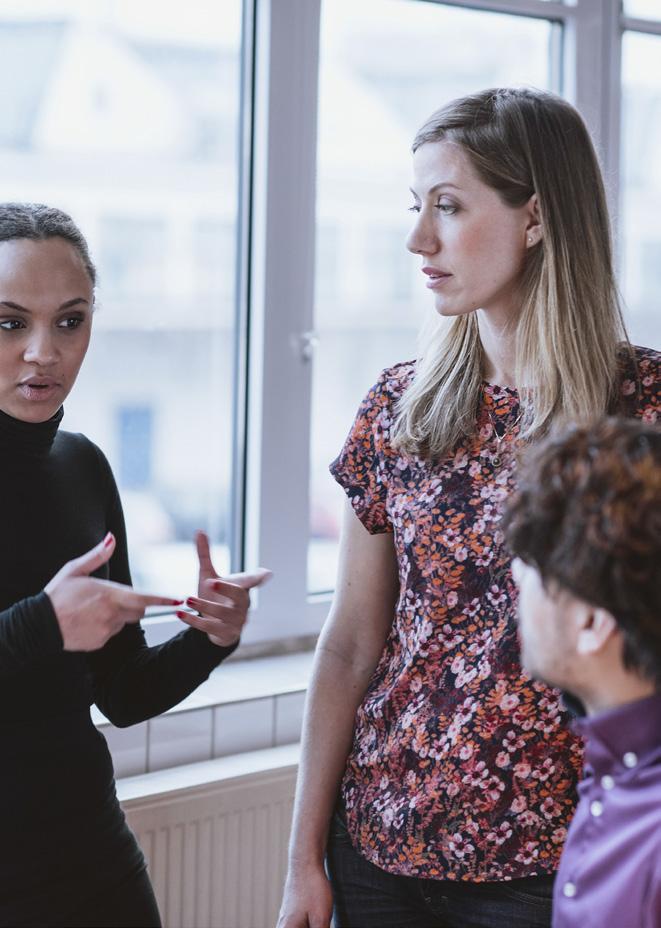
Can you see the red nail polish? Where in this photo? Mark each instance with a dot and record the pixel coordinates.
(177, 602)
(180, 615)
(107, 541)
(189, 601)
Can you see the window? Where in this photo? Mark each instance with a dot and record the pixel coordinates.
(127, 117)
(641, 185)
(385, 66)
(241, 171)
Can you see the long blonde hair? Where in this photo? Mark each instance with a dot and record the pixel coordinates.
(570, 330)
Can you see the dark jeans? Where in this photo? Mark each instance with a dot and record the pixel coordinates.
(367, 897)
(131, 904)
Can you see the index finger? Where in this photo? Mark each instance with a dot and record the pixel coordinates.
(133, 600)
(204, 554)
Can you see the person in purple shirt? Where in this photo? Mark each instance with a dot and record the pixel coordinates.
(585, 527)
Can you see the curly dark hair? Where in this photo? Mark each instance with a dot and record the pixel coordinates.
(587, 515)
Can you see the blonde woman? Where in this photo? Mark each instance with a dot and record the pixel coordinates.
(438, 780)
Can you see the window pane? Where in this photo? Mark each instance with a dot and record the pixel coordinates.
(641, 189)
(386, 65)
(643, 9)
(127, 118)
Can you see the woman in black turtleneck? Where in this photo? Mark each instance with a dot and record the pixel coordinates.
(69, 632)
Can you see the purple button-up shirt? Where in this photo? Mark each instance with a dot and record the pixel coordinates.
(610, 871)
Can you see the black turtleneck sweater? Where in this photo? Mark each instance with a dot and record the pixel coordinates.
(63, 835)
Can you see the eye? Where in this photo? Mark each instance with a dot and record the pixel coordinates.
(414, 209)
(70, 322)
(448, 209)
(11, 325)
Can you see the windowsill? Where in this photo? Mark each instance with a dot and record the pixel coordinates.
(242, 681)
(200, 774)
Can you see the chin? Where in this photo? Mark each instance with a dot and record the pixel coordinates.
(447, 311)
(33, 413)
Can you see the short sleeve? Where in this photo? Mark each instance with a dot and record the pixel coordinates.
(641, 386)
(361, 467)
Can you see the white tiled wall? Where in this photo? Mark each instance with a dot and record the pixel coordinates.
(180, 738)
(184, 737)
(288, 718)
(243, 726)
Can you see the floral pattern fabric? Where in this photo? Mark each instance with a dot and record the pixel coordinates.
(462, 767)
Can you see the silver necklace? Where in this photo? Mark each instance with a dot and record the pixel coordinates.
(497, 458)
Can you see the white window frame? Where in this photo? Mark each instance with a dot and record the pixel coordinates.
(276, 271)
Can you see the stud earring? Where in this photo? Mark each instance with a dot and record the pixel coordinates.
(530, 239)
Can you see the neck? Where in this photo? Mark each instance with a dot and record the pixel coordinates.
(497, 334)
(620, 689)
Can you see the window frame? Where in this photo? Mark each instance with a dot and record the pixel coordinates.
(275, 272)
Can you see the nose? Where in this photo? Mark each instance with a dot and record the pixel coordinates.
(40, 348)
(423, 238)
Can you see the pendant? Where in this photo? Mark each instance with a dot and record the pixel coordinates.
(496, 460)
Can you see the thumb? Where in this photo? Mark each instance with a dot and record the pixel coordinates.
(249, 580)
(88, 563)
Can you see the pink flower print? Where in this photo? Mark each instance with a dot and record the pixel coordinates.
(528, 853)
(550, 808)
(522, 770)
(519, 804)
(460, 847)
(509, 701)
(547, 769)
(503, 759)
(628, 387)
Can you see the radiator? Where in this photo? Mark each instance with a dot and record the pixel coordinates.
(216, 845)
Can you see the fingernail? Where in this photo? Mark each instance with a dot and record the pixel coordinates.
(181, 615)
(107, 541)
(177, 602)
(190, 601)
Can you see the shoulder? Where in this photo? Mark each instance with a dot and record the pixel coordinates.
(392, 383)
(641, 382)
(77, 449)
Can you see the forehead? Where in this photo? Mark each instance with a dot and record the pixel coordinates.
(444, 163)
(29, 268)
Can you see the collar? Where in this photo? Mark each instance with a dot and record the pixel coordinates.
(27, 439)
(620, 739)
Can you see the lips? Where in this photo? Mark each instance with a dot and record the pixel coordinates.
(435, 273)
(39, 389)
(436, 277)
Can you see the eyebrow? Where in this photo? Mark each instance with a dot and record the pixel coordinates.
(436, 188)
(22, 309)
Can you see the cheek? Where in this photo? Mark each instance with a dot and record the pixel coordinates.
(495, 248)
(74, 352)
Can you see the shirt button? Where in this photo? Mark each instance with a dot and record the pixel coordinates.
(569, 890)
(596, 808)
(630, 759)
(607, 782)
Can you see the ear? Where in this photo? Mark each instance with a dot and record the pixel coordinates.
(533, 222)
(597, 630)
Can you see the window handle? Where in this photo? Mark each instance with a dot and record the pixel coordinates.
(308, 342)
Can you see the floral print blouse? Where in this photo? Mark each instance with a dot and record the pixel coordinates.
(462, 767)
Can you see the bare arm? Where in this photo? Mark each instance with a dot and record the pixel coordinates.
(349, 649)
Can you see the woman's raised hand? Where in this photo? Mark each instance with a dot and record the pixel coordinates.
(90, 611)
(222, 602)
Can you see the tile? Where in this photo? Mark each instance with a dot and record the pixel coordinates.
(243, 726)
(128, 747)
(289, 717)
(179, 739)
